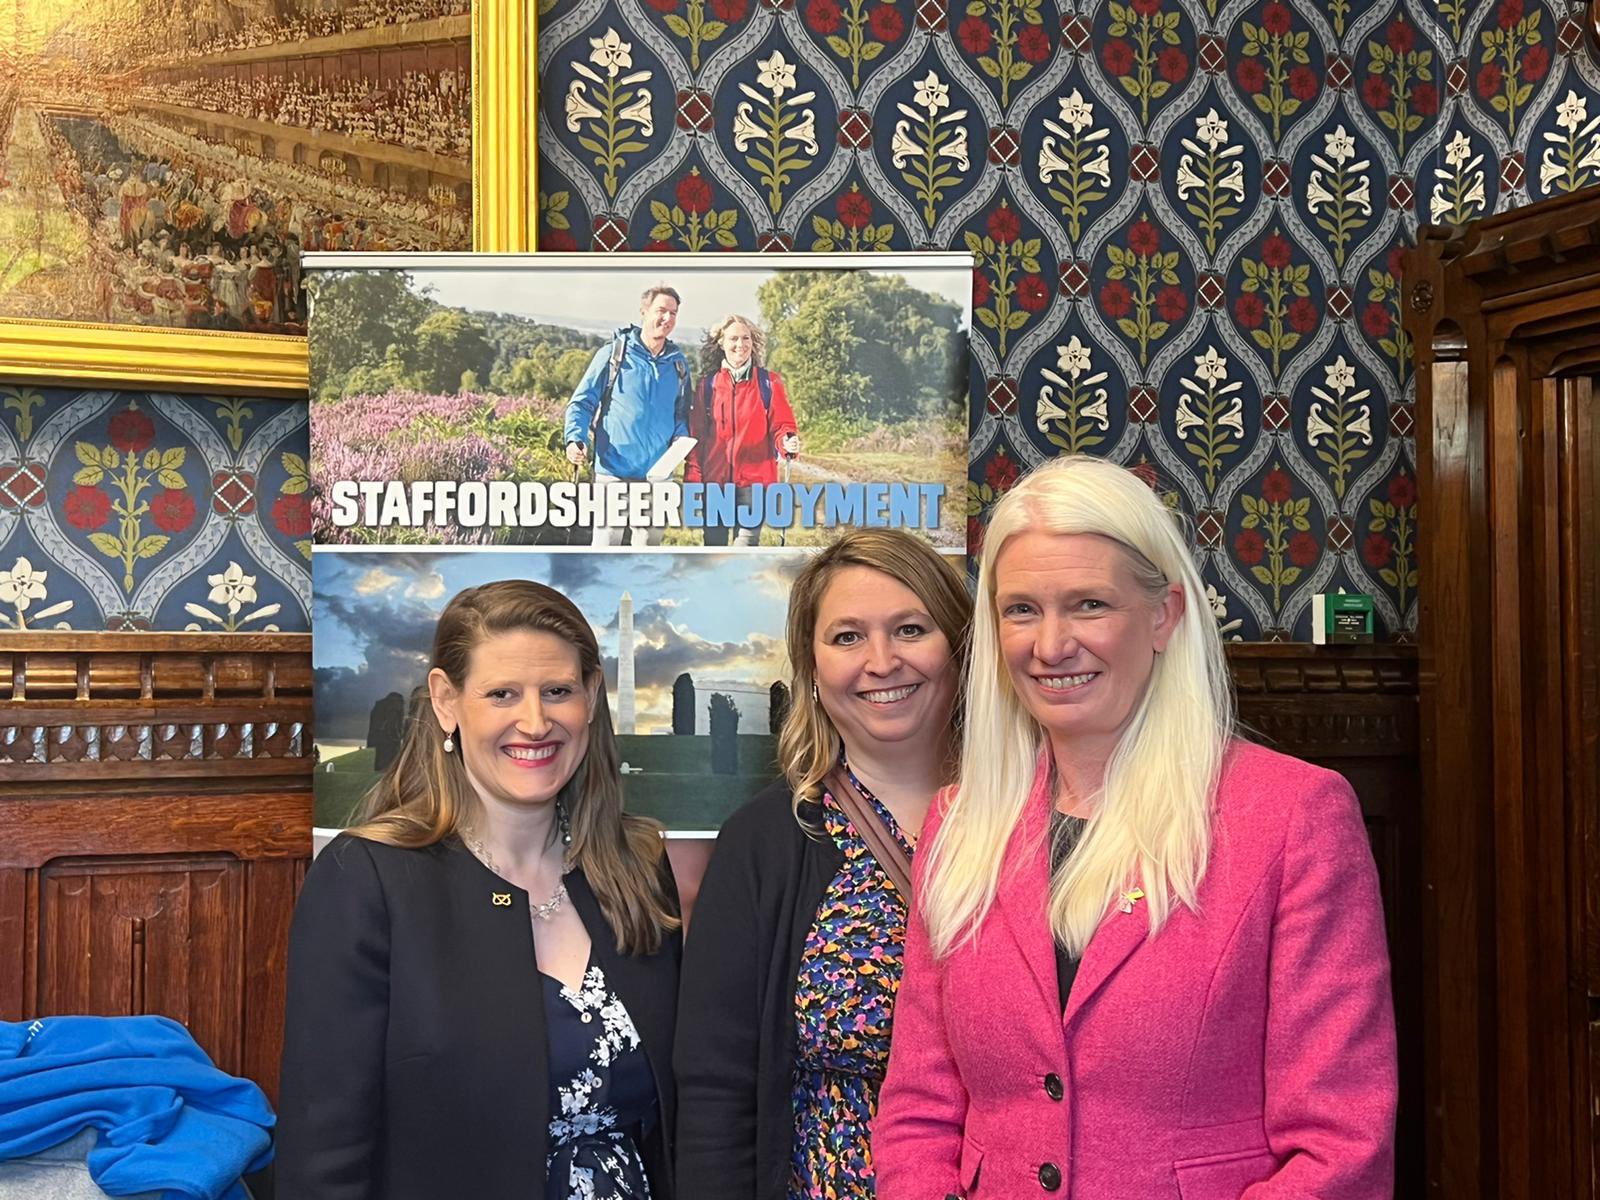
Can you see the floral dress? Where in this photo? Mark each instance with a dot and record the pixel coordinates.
(844, 1002)
(602, 1094)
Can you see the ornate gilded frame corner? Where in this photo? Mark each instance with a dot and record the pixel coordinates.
(505, 203)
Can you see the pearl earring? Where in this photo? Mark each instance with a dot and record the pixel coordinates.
(449, 743)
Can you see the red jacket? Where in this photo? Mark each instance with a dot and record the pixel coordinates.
(738, 440)
(1246, 1052)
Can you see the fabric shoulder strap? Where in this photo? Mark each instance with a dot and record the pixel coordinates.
(885, 848)
(764, 382)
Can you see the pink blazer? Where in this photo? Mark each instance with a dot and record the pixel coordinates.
(1247, 1052)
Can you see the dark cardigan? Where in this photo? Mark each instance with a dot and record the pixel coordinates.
(735, 1050)
(414, 1058)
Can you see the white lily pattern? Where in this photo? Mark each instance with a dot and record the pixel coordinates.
(771, 127)
(1210, 171)
(1569, 162)
(1459, 195)
(1339, 191)
(611, 111)
(20, 587)
(232, 589)
(923, 139)
(1071, 417)
(1073, 155)
(1210, 409)
(1339, 422)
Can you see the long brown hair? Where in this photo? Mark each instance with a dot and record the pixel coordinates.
(425, 794)
(808, 744)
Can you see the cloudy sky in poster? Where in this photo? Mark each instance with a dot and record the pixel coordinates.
(718, 616)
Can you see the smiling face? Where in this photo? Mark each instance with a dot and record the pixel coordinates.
(658, 317)
(1079, 634)
(521, 718)
(737, 344)
(884, 669)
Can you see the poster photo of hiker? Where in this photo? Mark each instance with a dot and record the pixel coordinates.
(636, 401)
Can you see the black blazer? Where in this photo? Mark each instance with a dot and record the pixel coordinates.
(735, 1050)
(415, 1063)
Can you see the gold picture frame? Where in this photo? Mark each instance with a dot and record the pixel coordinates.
(505, 191)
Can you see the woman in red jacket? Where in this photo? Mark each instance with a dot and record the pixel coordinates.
(741, 420)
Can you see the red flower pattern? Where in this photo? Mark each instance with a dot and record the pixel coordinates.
(980, 289)
(292, 515)
(172, 510)
(1377, 92)
(1001, 472)
(1252, 76)
(1401, 37)
(1509, 13)
(887, 24)
(1116, 301)
(855, 210)
(730, 10)
(1377, 550)
(1375, 319)
(1302, 315)
(1276, 251)
(1425, 99)
(1402, 491)
(1536, 64)
(1004, 225)
(1033, 43)
(131, 431)
(974, 36)
(1303, 549)
(1173, 65)
(1303, 84)
(1393, 262)
(1276, 486)
(1250, 311)
(1147, 8)
(1171, 304)
(87, 507)
(1117, 56)
(557, 239)
(823, 16)
(1249, 547)
(694, 193)
(663, 6)
(1144, 238)
(1490, 77)
(1032, 293)
(1275, 18)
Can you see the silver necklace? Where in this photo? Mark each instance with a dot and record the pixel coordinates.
(542, 911)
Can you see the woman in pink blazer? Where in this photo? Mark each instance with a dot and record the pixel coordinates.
(1146, 959)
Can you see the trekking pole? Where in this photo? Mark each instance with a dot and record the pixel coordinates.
(783, 534)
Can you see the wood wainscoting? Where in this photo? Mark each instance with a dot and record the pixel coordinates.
(155, 824)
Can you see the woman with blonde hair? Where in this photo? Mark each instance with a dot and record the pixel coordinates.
(794, 956)
(1147, 957)
(740, 419)
(482, 975)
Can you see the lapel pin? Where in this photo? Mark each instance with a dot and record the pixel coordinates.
(1128, 899)
(501, 899)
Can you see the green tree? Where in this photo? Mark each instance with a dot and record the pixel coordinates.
(357, 317)
(446, 345)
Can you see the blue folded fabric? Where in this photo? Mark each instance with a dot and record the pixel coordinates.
(169, 1121)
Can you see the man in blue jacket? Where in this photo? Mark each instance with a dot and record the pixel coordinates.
(632, 402)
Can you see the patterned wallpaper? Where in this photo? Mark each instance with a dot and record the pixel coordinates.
(134, 510)
(1185, 217)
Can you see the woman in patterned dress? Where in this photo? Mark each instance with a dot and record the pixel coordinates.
(791, 971)
(483, 975)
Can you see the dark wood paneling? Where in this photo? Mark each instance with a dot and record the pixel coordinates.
(155, 823)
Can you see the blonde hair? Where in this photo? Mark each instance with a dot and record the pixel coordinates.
(711, 352)
(808, 744)
(1152, 826)
(424, 795)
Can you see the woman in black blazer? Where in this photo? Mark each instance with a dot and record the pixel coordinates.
(482, 976)
(794, 957)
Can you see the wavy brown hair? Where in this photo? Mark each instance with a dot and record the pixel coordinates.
(711, 353)
(808, 744)
(425, 795)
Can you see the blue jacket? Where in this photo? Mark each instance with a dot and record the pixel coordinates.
(169, 1120)
(649, 406)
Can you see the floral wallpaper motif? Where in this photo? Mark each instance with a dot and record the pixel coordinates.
(1185, 218)
(135, 510)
